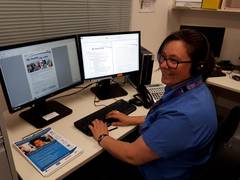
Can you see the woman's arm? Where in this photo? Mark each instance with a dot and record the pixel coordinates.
(135, 153)
(125, 120)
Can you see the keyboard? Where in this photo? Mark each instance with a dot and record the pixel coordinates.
(120, 105)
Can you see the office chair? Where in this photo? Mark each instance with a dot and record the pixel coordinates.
(227, 128)
(224, 163)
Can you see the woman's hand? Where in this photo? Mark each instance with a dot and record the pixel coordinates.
(98, 128)
(123, 119)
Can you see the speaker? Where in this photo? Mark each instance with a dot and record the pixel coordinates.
(144, 75)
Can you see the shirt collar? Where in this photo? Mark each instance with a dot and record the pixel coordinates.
(183, 83)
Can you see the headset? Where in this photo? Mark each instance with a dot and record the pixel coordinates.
(198, 66)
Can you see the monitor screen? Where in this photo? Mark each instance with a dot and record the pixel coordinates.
(33, 72)
(214, 35)
(109, 55)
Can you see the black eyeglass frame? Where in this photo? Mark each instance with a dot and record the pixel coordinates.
(162, 58)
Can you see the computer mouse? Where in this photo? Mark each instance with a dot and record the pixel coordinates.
(236, 77)
(135, 101)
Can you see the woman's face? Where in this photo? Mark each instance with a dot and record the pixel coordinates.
(175, 50)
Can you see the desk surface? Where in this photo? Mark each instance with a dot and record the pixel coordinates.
(82, 104)
(225, 82)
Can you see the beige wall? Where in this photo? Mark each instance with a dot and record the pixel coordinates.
(155, 26)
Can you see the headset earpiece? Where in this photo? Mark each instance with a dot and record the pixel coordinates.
(197, 67)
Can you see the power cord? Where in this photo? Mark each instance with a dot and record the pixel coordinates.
(81, 89)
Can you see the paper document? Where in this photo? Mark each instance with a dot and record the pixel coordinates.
(47, 150)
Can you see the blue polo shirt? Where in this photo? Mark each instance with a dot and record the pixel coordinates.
(176, 128)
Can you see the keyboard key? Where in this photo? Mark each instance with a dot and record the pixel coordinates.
(120, 105)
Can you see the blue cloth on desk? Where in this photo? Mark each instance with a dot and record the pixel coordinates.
(175, 129)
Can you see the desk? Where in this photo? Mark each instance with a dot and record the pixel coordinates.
(225, 82)
(82, 105)
(226, 92)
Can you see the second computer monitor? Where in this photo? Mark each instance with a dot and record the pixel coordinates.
(109, 55)
(214, 35)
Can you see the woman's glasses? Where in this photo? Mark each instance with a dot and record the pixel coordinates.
(171, 62)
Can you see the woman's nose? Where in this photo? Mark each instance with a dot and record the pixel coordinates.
(163, 65)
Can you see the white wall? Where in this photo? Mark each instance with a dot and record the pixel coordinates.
(155, 26)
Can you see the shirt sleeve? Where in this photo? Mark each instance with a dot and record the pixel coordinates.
(169, 134)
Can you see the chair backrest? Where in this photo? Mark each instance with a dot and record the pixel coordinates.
(224, 133)
(228, 127)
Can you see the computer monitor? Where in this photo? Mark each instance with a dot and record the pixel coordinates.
(34, 71)
(107, 55)
(214, 35)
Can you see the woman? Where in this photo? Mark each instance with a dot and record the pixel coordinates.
(177, 133)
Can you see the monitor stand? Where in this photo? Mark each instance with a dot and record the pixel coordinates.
(106, 90)
(45, 113)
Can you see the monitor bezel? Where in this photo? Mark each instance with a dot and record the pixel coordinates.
(45, 97)
(103, 34)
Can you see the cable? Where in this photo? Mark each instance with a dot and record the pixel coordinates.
(96, 101)
(82, 88)
(131, 83)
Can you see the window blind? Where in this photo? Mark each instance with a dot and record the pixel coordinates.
(29, 20)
